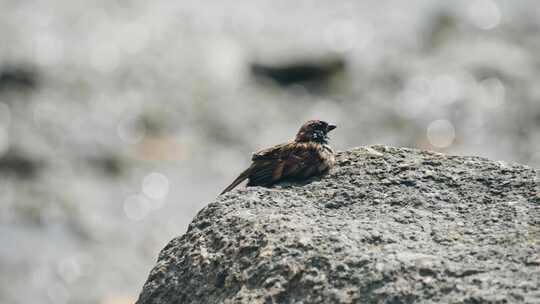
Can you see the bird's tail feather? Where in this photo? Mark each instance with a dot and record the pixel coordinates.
(237, 181)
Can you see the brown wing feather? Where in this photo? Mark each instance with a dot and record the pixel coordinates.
(276, 163)
(262, 172)
(278, 171)
(274, 152)
(268, 164)
(284, 161)
(303, 162)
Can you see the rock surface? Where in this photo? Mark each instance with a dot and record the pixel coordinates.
(387, 225)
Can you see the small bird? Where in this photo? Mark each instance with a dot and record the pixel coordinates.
(307, 155)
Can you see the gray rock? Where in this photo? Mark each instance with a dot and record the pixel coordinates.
(387, 225)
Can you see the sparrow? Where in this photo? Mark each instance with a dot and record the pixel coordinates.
(307, 155)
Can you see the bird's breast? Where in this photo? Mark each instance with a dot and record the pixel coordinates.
(326, 154)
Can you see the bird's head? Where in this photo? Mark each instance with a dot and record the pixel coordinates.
(314, 131)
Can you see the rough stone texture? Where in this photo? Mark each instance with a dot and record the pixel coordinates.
(387, 225)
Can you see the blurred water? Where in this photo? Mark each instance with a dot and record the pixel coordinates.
(141, 112)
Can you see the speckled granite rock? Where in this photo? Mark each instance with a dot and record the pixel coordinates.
(387, 225)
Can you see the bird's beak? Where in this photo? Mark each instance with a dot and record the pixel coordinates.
(331, 127)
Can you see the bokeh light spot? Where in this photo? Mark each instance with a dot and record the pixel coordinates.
(155, 186)
(415, 97)
(136, 207)
(131, 130)
(226, 62)
(441, 133)
(484, 14)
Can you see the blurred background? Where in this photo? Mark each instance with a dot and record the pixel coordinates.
(119, 120)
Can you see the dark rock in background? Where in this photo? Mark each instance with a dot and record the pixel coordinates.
(386, 225)
(20, 77)
(314, 75)
(112, 165)
(20, 165)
